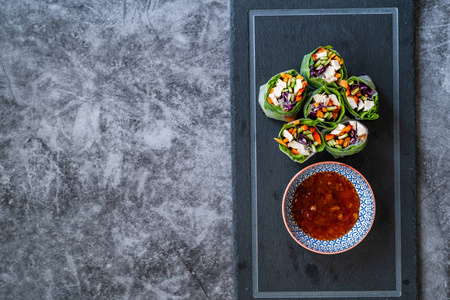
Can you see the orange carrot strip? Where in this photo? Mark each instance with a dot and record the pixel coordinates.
(342, 82)
(290, 130)
(280, 141)
(345, 144)
(269, 100)
(346, 129)
(296, 122)
(332, 55)
(329, 137)
(285, 140)
(338, 75)
(363, 136)
(319, 114)
(288, 119)
(316, 104)
(324, 109)
(294, 151)
(304, 127)
(312, 129)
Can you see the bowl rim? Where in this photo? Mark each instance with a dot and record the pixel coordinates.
(303, 170)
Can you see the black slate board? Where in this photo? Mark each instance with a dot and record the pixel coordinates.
(376, 37)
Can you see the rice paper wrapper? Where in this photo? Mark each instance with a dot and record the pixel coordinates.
(350, 150)
(325, 90)
(305, 70)
(298, 157)
(363, 115)
(276, 112)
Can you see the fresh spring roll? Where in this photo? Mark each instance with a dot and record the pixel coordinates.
(348, 138)
(280, 98)
(323, 66)
(326, 106)
(300, 140)
(361, 97)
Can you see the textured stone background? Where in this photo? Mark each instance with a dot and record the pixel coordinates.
(115, 168)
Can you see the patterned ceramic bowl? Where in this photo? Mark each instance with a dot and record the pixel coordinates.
(359, 230)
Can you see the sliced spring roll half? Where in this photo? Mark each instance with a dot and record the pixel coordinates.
(281, 97)
(323, 66)
(348, 138)
(360, 97)
(300, 140)
(326, 106)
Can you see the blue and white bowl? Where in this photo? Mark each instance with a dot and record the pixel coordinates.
(359, 230)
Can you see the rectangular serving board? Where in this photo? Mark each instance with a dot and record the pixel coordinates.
(375, 37)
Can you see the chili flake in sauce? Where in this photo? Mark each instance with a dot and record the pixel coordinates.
(326, 205)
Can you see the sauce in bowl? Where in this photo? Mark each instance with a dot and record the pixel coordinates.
(325, 205)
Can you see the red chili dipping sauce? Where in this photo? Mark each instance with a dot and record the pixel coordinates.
(326, 206)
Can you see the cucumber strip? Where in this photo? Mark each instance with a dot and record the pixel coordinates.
(316, 143)
(306, 132)
(284, 90)
(343, 136)
(320, 119)
(363, 98)
(310, 136)
(354, 91)
(331, 108)
(330, 143)
(338, 146)
(351, 82)
(313, 148)
(299, 130)
(317, 64)
(290, 90)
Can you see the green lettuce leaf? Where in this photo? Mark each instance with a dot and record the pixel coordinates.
(305, 70)
(363, 115)
(325, 90)
(276, 112)
(298, 157)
